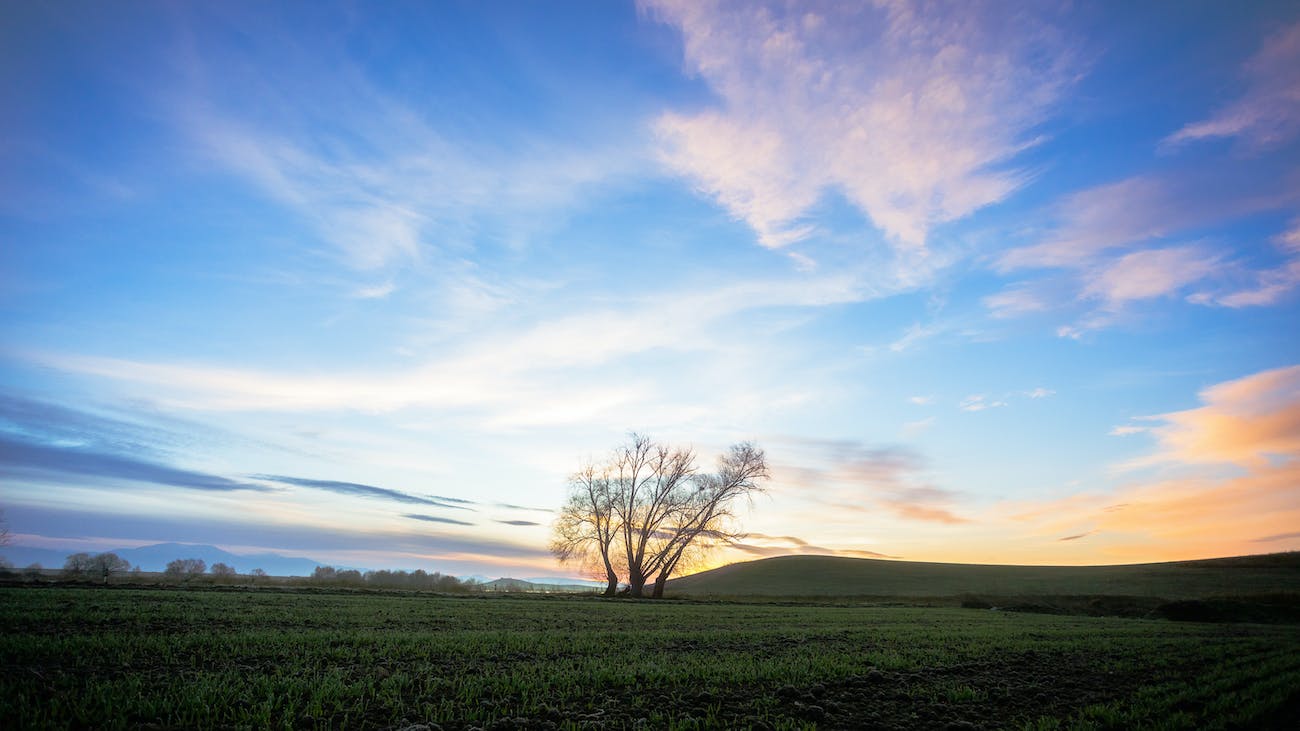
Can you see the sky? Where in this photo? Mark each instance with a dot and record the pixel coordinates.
(989, 282)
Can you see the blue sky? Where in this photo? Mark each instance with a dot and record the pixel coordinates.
(988, 283)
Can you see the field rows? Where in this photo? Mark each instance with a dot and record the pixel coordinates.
(125, 658)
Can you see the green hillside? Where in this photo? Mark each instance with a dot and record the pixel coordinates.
(828, 576)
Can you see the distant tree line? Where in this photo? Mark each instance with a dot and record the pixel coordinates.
(417, 579)
(101, 566)
(96, 566)
(646, 511)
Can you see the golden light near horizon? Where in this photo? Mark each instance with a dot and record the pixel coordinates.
(368, 287)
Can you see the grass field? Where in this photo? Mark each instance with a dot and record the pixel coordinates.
(169, 658)
(834, 576)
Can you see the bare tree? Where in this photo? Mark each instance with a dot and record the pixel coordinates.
(186, 567)
(101, 565)
(78, 565)
(704, 515)
(222, 570)
(648, 511)
(585, 530)
(106, 564)
(649, 478)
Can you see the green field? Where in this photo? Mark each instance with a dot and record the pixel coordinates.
(174, 658)
(825, 576)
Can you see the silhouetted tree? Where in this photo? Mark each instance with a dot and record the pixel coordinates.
(78, 565)
(648, 493)
(186, 567)
(104, 565)
(585, 530)
(101, 565)
(704, 517)
(222, 570)
(647, 509)
(257, 572)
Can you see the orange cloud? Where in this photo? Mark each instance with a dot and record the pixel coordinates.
(1247, 422)
(1252, 423)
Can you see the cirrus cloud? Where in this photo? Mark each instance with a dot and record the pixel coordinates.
(909, 111)
(1268, 112)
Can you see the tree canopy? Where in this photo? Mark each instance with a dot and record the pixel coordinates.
(646, 510)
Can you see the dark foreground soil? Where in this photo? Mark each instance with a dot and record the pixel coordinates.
(174, 659)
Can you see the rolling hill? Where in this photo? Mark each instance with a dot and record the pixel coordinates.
(831, 576)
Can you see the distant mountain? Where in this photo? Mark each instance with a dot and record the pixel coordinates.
(156, 557)
(822, 576)
(24, 556)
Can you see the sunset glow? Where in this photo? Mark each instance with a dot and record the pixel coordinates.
(366, 283)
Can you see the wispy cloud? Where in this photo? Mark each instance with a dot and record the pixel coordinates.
(1149, 274)
(377, 291)
(1278, 537)
(1115, 241)
(1018, 300)
(915, 334)
(1110, 248)
(1268, 112)
(47, 441)
(434, 519)
(518, 522)
(55, 424)
(1098, 219)
(523, 507)
(401, 189)
(911, 112)
(1265, 286)
(760, 544)
(359, 490)
(535, 375)
(851, 478)
(380, 180)
(1076, 536)
(980, 402)
(20, 458)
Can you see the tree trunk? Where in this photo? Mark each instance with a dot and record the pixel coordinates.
(611, 576)
(659, 586)
(636, 586)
